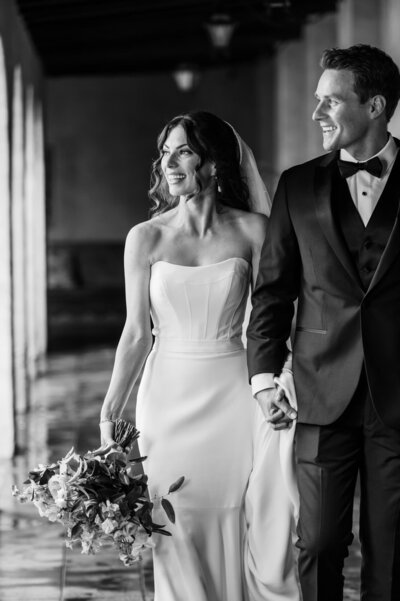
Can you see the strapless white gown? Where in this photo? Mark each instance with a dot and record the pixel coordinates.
(197, 418)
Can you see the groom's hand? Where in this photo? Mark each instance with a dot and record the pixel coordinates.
(276, 408)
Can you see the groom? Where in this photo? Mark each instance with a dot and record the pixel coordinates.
(333, 243)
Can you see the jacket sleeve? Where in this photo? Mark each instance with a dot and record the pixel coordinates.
(276, 289)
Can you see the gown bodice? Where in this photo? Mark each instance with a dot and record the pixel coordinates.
(199, 304)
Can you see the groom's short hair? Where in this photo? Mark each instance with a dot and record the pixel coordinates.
(375, 72)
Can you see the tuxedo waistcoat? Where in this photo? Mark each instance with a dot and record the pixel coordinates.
(365, 243)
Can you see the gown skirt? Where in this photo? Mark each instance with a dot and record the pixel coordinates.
(231, 540)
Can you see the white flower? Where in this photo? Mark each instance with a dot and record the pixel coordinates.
(51, 512)
(87, 535)
(90, 547)
(61, 503)
(109, 525)
(25, 495)
(42, 508)
(130, 559)
(129, 528)
(41, 492)
(57, 486)
(141, 536)
(110, 510)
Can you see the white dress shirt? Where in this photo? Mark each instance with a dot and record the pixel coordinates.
(365, 190)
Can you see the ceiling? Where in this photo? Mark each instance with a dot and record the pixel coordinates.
(109, 37)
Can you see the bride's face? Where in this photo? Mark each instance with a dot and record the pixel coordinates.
(179, 164)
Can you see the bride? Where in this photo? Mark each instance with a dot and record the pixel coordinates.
(188, 271)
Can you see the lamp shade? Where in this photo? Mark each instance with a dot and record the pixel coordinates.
(220, 27)
(186, 77)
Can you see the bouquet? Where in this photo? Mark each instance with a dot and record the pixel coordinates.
(99, 499)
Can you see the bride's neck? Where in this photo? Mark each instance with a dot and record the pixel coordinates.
(197, 214)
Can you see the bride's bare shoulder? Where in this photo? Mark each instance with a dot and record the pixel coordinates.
(253, 227)
(255, 219)
(253, 223)
(144, 237)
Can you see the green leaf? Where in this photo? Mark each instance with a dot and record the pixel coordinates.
(76, 530)
(161, 531)
(177, 484)
(169, 510)
(124, 508)
(124, 478)
(138, 459)
(90, 503)
(83, 491)
(75, 505)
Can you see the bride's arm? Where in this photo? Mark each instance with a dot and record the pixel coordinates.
(136, 339)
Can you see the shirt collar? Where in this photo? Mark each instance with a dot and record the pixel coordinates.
(387, 154)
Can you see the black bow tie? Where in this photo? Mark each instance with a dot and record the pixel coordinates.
(373, 166)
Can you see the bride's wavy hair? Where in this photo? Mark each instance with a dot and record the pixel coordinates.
(212, 139)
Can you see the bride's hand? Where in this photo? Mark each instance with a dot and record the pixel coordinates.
(276, 408)
(107, 439)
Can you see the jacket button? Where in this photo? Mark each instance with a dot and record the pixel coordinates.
(367, 244)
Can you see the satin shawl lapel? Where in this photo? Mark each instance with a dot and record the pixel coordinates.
(323, 207)
(392, 248)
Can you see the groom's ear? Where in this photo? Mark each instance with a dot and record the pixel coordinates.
(213, 169)
(377, 106)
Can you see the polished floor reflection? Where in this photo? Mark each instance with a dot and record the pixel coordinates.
(34, 562)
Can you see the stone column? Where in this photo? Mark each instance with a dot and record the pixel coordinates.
(374, 23)
(319, 34)
(7, 428)
(30, 233)
(297, 138)
(265, 151)
(40, 230)
(18, 246)
(359, 23)
(389, 30)
(35, 236)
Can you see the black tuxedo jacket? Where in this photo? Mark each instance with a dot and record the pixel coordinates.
(339, 324)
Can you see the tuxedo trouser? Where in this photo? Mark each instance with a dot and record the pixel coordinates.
(329, 459)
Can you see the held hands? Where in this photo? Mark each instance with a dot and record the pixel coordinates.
(276, 408)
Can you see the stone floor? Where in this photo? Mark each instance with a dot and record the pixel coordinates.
(34, 562)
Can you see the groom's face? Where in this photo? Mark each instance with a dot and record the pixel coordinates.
(344, 120)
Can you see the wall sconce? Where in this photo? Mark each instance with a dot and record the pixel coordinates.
(186, 77)
(277, 5)
(220, 27)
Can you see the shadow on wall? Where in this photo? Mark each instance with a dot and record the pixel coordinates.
(86, 298)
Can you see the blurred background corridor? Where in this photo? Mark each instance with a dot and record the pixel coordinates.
(85, 87)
